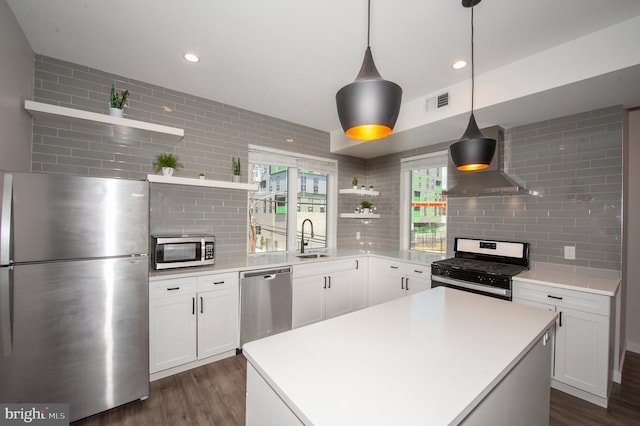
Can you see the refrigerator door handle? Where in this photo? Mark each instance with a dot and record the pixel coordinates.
(6, 325)
(5, 220)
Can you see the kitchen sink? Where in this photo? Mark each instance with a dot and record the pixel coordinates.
(311, 255)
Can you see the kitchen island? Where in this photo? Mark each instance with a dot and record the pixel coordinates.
(437, 357)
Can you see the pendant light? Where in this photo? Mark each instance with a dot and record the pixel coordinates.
(473, 151)
(368, 108)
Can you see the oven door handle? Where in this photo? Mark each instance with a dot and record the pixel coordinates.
(472, 286)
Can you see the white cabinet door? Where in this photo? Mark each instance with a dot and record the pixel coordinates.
(308, 300)
(582, 335)
(360, 285)
(172, 324)
(418, 278)
(581, 350)
(386, 280)
(337, 294)
(217, 321)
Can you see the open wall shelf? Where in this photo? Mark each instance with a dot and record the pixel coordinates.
(173, 180)
(122, 127)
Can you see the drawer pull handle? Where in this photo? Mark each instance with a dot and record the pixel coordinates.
(201, 305)
(193, 306)
(325, 282)
(173, 288)
(393, 267)
(418, 271)
(554, 297)
(560, 318)
(357, 264)
(329, 282)
(218, 282)
(406, 284)
(402, 283)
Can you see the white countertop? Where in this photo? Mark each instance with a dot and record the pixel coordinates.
(426, 359)
(243, 262)
(591, 280)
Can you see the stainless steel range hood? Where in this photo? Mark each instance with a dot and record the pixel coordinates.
(491, 181)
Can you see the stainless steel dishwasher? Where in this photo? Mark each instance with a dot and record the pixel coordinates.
(265, 303)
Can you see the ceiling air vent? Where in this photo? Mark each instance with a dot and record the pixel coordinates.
(437, 102)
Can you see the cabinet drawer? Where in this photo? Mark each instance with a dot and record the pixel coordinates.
(217, 281)
(323, 267)
(418, 271)
(172, 287)
(562, 298)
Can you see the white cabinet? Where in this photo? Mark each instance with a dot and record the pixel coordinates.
(392, 279)
(323, 290)
(360, 284)
(418, 278)
(192, 319)
(582, 351)
(217, 314)
(172, 323)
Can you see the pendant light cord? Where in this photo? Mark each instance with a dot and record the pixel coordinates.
(368, 22)
(472, 62)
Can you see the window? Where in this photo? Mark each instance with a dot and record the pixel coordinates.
(423, 210)
(281, 228)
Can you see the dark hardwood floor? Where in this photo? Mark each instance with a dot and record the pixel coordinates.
(215, 395)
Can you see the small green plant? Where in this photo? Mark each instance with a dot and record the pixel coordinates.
(235, 166)
(371, 187)
(117, 100)
(201, 174)
(165, 160)
(354, 181)
(365, 204)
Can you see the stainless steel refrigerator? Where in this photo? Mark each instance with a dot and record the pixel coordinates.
(73, 291)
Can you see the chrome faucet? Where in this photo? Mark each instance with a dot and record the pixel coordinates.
(302, 243)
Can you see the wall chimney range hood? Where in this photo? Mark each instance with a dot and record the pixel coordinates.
(488, 182)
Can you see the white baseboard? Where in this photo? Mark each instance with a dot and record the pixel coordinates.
(617, 373)
(195, 364)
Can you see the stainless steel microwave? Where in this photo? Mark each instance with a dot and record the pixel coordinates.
(182, 251)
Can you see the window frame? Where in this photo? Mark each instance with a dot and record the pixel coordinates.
(406, 166)
(294, 161)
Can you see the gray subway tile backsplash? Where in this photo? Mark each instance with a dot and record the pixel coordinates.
(575, 162)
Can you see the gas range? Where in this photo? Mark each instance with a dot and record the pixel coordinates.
(482, 266)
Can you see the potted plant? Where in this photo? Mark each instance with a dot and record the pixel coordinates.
(167, 163)
(201, 175)
(354, 182)
(366, 206)
(117, 101)
(235, 167)
(370, 187)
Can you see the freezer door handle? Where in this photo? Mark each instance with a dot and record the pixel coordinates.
(5, 220)
(5, 311)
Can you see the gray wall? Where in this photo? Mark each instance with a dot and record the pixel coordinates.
(575, 163)
(16, 85)
(214, 132)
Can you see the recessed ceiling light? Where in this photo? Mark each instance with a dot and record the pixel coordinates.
(191, 57)
(457, 65)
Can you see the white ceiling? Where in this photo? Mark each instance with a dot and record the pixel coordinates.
(287, 58)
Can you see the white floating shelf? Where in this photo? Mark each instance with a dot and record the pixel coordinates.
(359, 216)
(124, 127)
(369, 192)
(173, 180)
